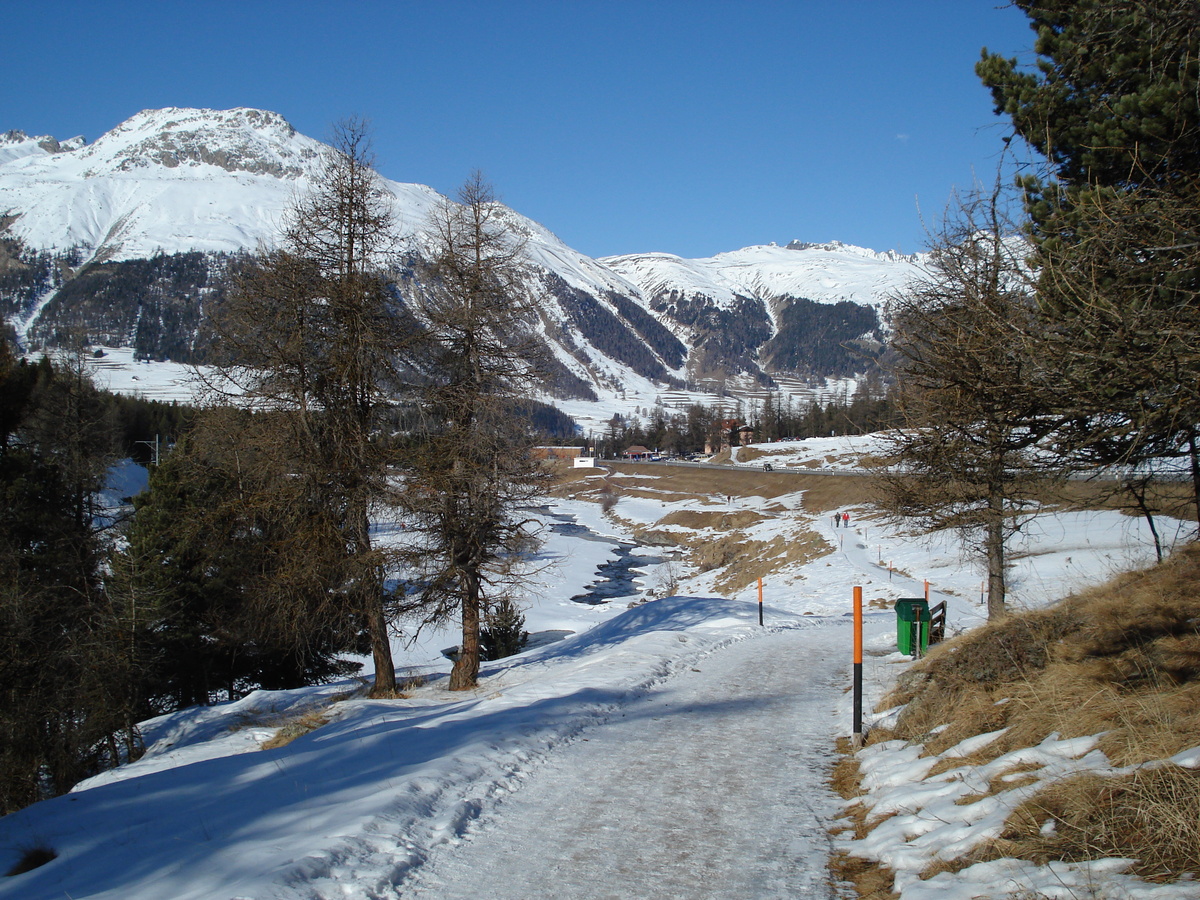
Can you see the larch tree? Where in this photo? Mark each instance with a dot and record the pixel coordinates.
(966, 455)
(314, 338)
(471, 473)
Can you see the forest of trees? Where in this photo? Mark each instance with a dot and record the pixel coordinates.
(70, 689)
(775, 417)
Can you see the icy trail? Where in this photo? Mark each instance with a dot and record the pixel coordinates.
(712, 785)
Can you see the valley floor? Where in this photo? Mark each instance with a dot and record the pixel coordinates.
(671, 747)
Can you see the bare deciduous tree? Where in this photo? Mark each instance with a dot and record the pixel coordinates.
(966, 456)
(472, 471)
(313, 339)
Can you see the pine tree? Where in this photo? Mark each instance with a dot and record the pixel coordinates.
(1113, 102)
(1114, 106)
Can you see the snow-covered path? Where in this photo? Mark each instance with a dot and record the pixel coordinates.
(712, 785)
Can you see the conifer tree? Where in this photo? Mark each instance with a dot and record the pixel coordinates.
(314, 335)
(1112, 102)
(472, 472)
(62, 709)
(1114, 107)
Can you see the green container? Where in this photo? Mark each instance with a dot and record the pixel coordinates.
(912, 625)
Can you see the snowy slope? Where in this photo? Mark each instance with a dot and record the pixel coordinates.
(173, 180)
(827, 273)
(17, 144)
(357, 808)
(660, 273)
(170, 181)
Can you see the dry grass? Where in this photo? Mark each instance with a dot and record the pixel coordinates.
(822, 492)
(700, 520)
(1153, 811)
(711, 539)
(845, 779)
(1122, 661)
(871, 880)
(1016, 776)
(297, 727)
(744, 561)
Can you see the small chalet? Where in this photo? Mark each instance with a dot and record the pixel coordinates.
(731, 430)
(637, 451)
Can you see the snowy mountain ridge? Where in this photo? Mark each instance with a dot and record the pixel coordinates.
(180, 181)
(829, 273)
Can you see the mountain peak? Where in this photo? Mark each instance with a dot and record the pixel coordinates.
(841, 247)
(16, 144)
(254, 141)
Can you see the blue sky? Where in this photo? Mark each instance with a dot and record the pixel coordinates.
(623, 126)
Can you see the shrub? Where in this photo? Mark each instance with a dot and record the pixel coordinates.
(503, 632)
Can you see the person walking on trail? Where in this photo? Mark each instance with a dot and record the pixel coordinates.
(837, 520)
(845, 520)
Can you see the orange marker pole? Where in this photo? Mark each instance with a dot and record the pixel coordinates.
(858, 648)
(760, 610)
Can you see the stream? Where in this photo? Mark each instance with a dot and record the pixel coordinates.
(615, 578)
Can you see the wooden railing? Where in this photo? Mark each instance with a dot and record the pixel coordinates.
(937, 623)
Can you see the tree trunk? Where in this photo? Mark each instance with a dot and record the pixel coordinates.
(994, 548)
(1137, 490)
(465, 673)
(1194, 458)
(381, 652)
(370, 591)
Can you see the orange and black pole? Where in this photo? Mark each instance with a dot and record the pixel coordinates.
(858, 652)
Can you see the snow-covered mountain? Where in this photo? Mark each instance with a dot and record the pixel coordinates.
(131, 236)
(828, 273)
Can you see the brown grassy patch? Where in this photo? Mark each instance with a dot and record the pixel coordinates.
(1122, 661)
(821, 491)
(741, 559)
(940, 866)
(871, 880)
(1017, 776)
(846, 778)
(716, 520)
(745, 561)
(295, 728)
(1152, 815)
